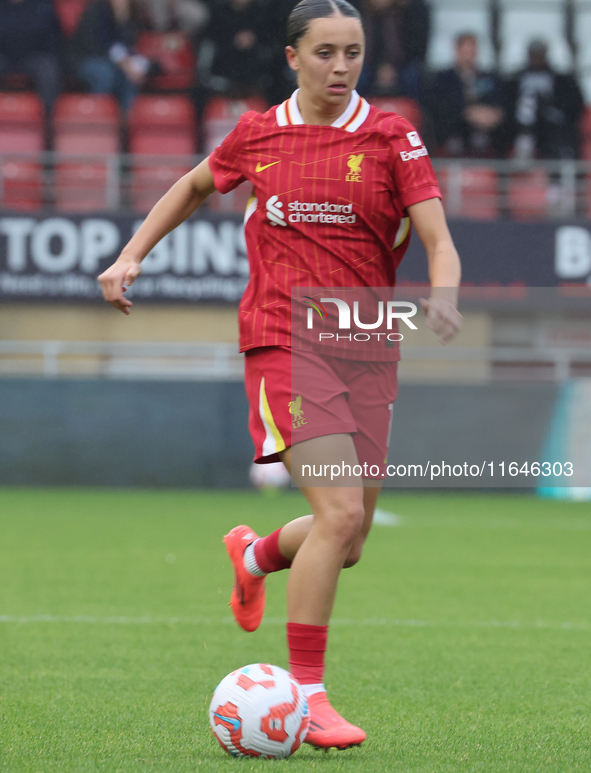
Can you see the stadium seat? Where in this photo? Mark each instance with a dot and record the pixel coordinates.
(544, 19)
(69, 13)
(469, 191)
(162, 125)
(150, 182)
(21, 123)
(528, 195)
(80, 187)
(86, 124)
(173, 51)
(403, 106)
(451, 18)
(21, 185)
(169, 143)
(151, 110)
(221, 116)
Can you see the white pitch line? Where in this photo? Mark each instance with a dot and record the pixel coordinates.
(352, 622)
(491, 523)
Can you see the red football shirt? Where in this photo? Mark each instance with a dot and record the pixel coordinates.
(328, 206)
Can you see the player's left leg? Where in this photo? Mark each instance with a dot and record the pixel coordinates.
(254, 557)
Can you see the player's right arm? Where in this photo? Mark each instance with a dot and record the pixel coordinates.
(170, 211)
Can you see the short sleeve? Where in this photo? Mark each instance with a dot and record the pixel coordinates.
(226, 160)
(414, 176)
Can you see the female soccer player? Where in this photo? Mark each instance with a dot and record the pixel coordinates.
(323, 150)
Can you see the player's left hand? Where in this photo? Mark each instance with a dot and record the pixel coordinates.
(442, 318)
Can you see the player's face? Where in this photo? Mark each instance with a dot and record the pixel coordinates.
(329, 58)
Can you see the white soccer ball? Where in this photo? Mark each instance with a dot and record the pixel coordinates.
(259, 711)
(269, 476)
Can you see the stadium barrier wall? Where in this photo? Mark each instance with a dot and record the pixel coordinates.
(50, 258)
(195, 434)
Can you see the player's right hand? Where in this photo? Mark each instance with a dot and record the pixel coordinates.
(115, 281)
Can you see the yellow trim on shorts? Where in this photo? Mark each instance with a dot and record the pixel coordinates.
(279, 441)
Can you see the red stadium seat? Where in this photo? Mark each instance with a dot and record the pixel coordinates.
(80, 187)
(21, 123)
(471, 192)
(173, 51)
(221, 116)
(162, 125)
(69, 13)
(403, 106)
(150, 182)
(22, 185)
(527, 194)
(87, 110)
(168, 143)
(150, 110)
(86, 124)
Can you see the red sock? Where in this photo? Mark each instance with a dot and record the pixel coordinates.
(307, 645)
(268, 556)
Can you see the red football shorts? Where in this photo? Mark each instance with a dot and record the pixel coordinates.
(334, 396)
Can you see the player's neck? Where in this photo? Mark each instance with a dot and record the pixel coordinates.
(316, 112)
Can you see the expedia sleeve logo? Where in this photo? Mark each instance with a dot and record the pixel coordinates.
(413, 154)
(416, 142)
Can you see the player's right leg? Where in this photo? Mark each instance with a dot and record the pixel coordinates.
(339, 517)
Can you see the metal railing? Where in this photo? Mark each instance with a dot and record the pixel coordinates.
(105, 359)
(209, 361)
(480, 189)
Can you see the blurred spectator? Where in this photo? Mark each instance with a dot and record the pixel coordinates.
(397, 36)
(236, 51)
(546, 107)
(31, 43)
(104, 49)
(188, 16)
(468, 105)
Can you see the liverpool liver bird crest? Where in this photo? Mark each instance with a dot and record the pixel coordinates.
(295, 408)
(354, 164)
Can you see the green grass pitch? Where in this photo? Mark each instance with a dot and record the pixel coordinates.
(461, 642)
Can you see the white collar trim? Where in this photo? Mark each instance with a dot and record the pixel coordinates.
(288, 113)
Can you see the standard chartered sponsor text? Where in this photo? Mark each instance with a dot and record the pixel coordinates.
(320, 212)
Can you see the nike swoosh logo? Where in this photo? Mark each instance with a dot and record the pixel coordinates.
(261, 168)
(230, 720)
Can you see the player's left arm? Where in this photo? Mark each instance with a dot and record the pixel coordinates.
(445, 272)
